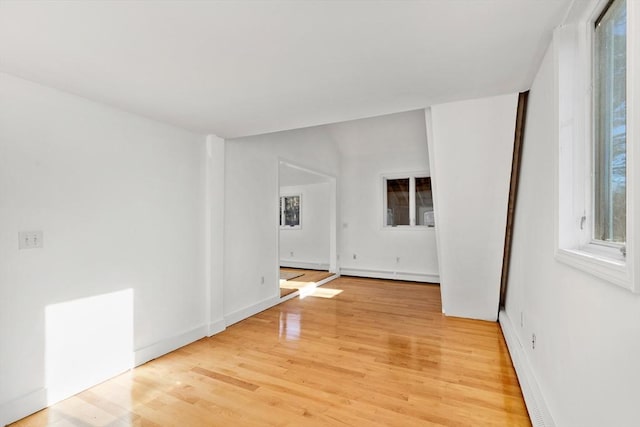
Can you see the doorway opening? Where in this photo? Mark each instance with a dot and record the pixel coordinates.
(306, 228)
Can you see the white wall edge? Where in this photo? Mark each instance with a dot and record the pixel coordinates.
(434, 190)
(390, 275)
(243, 313)
(307, 265)
(216, 327)
(16, 409)
(533, 398)
(168, 345)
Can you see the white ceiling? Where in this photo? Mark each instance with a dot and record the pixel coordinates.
(236, 68)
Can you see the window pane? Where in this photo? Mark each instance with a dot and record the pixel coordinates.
(398, 201)
(424, 202)
(610, 134)
(291, 211)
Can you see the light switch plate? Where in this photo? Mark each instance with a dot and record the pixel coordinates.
(30, 239)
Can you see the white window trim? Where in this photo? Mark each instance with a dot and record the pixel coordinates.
(412, 203)
(290, 227)
(574, 180)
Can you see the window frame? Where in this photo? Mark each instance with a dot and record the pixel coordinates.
(411, 176)
(281, 208)
(575, 181)
(595, 147)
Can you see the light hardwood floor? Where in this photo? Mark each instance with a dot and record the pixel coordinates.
(376, 353)
(306, 278)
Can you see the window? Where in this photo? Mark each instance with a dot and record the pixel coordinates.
(596, 71)
(610, 125)
(290, 211)
(398, 202)
(408, 201)
(424, 202)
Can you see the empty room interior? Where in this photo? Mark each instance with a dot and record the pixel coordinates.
(305, 213)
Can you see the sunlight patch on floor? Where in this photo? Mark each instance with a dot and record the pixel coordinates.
(292, 284)
(325, 292)
(314, 291)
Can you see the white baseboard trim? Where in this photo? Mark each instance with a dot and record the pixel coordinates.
(391, 275)
(216, 327)
(533, 398)
(167, 345)
(30, 403)
(19, 408)
(290, 296)
(327, 280)
(243, 313)
(305, 265)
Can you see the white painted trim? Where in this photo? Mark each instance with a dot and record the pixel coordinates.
(215, 237)
(633, 137)
(573, 44)
(16, 409)
(289, 296)
(243, 313)
(327, 280)
(333, 209)
(208, 220)
(434, 194)
(216, 327)
(533, 398)
(306, 265)
(333, 226)
(30, 403)
(391, 275)
(168, 345)
(607, 268)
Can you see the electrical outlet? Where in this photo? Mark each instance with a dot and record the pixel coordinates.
(533, 341)
(355, 256)
(30, 239)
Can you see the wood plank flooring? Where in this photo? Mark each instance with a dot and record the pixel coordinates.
(308, 277)
(377, 353)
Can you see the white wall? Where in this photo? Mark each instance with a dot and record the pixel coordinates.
(471, 145)
(370, 148)
(215, 231)
(252, 211)
(120, 200)
(355, 152)
(308, 246)
(588, 331)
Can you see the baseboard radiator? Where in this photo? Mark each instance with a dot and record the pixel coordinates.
(533, 398)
